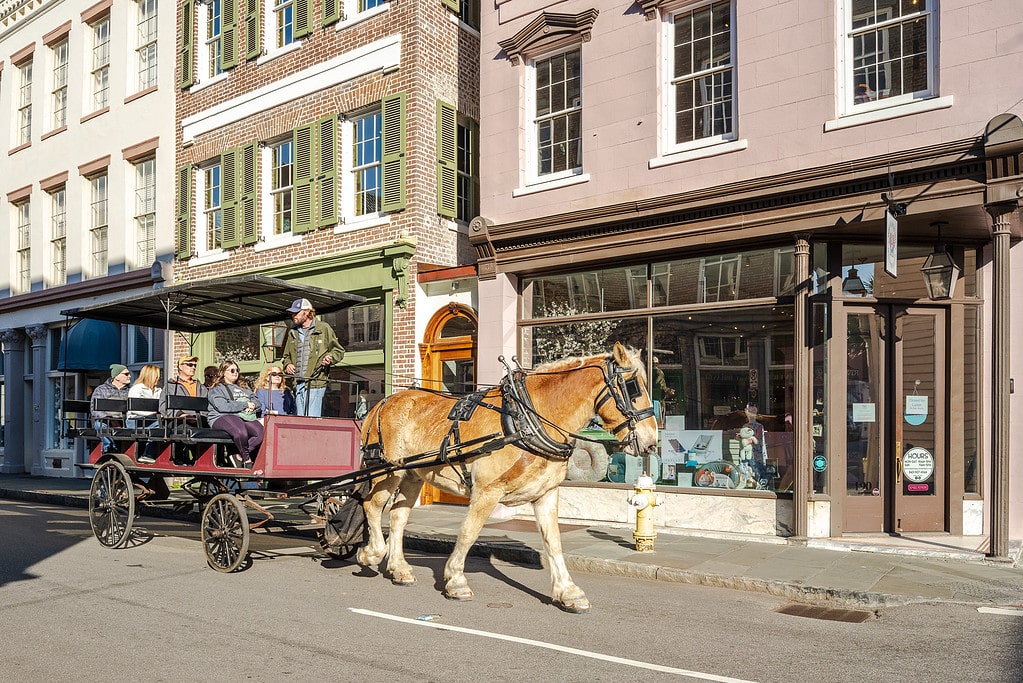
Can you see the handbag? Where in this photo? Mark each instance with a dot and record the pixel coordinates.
(247, 416)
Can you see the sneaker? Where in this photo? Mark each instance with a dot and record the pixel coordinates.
(236, 460)
(146, 459)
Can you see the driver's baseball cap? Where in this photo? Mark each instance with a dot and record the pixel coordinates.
(300, 305)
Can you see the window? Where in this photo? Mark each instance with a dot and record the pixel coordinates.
(365, 5)
(146, 345)
(145, 212)
(101, 64)
(889, 56)
(282, 165)
(59, 92)
(467, 194)
(557, 118)
(25, 104)
(284, 17)
(719, 278)
(214, 63)
(98, 224)
(213, 216)
(469, 13)
(146, 57)
(23, 219)
(58, 238)
(365, 329)
(700, 87)
(366, 163)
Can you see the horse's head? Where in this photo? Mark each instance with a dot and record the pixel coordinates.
(624, 405)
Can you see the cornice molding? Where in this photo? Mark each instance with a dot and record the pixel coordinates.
(548, 30)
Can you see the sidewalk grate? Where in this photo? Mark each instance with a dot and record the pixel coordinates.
(851, 616)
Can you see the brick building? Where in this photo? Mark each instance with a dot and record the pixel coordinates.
(333, 144)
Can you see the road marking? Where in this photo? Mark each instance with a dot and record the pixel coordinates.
(551, 646)
(1008, 611)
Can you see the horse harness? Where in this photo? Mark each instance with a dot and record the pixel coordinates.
(521, 425)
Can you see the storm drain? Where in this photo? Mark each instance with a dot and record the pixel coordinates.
(851, 616)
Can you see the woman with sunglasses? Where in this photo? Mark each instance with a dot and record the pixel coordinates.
(274, 395)
(235, 410)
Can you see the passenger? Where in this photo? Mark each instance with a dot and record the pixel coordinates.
(274, 395)
(235, 410)
(145, 387)
(309, 351)
(116, 386)
(183, 384)
(209, 374)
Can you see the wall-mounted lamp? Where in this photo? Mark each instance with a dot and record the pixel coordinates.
(852, 285)
(940, 271)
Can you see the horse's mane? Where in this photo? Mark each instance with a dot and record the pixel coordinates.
(574, 362)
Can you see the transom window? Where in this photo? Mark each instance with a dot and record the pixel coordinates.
(59, 91)
(889, 52)
(700, 91)
(557, 119)
(366, 158)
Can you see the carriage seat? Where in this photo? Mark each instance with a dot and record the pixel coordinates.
(78, 418)
(187, 422)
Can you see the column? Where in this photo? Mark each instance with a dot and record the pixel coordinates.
(1000, 356)
(14, 429)
(802, 413)
(38, 335)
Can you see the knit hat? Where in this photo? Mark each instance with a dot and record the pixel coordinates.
(116, 369)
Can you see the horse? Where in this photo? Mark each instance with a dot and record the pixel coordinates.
(509, 444)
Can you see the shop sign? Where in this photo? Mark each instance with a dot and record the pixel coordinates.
(917, 465)
(916, 410)
(820, 463)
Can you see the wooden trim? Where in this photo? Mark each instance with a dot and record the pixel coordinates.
(53, 182)
(23, 55)
(96, 12)
(443, 274)
(140, 93)
(98, 112)
(141, 150)
(90, 168)
(51, 133)
(58, 34)
(19, 195)
(15, 150)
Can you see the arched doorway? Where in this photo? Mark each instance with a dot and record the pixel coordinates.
(448, 353)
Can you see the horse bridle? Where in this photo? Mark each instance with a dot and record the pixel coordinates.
(624, 390)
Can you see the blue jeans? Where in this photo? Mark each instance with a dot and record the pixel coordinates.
(314, 398)
(108, 443)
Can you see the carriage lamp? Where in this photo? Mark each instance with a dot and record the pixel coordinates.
(852, 285)
(644, 500)
(939, 270)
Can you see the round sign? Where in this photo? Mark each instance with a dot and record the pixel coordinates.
(918, 464)
(820, 463)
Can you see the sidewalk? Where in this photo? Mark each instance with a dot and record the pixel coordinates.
(869, 572)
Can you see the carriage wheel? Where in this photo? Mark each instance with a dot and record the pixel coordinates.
(111, 504)
(225, 532)
(344, 527)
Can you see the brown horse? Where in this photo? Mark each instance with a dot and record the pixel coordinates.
(515, 441)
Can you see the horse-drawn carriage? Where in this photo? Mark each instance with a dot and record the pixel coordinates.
(505, 444)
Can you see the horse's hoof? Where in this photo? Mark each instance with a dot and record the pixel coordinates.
(403, 579)
(577, 606)
(462, 593)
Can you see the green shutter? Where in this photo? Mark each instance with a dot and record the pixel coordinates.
(452, 4)
(253, 30)
(230, 236)
(303, 181)
(447, 160)
(248, 193)
(303, 25)
(186, 60)
(392, 135)
(331, 11)
(326, 178)
(184, 211)
(229, 34)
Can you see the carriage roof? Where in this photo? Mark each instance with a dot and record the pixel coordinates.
(215, 304)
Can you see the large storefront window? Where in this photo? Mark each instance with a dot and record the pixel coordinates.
(722, 378)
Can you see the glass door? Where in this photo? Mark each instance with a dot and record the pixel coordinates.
(895, 410)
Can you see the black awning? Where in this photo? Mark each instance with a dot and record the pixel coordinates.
(217, 304)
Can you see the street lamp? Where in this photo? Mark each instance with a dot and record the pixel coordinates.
(940, 271)
(852, 285)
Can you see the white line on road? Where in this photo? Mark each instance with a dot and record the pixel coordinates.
(551, 646)
(1008, 611)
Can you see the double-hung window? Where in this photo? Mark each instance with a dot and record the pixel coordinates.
(98, 224)
(889, 52)
(284, 20)
(701, 76)
(366, 163)
(101, 64)
(25, 104)
(557, 114)
(145, 211)
(58, 237)
(146, 53)
(23, 219)
(212, 214)
(58, 92)
(282, 185)
(214, 61)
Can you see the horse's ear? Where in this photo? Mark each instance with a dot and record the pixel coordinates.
(621, 356)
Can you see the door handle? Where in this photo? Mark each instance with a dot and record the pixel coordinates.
(898, 463)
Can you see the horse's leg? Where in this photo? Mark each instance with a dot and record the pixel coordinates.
(404, 500)
(373, 552)
(481, 504)
(564, 592)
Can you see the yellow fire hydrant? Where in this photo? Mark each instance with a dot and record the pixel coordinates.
(644, 500)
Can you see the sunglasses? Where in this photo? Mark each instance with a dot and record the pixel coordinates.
(276, 374)
(210, 375)
(231, 370)
(191, 365)
(127, 372)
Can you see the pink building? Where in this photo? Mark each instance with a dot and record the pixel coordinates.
(752, 193)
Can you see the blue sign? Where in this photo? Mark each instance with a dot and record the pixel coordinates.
(820, 463)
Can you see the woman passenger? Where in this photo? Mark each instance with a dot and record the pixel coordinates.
(145, 387)
(235, 410)
(273, 394)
